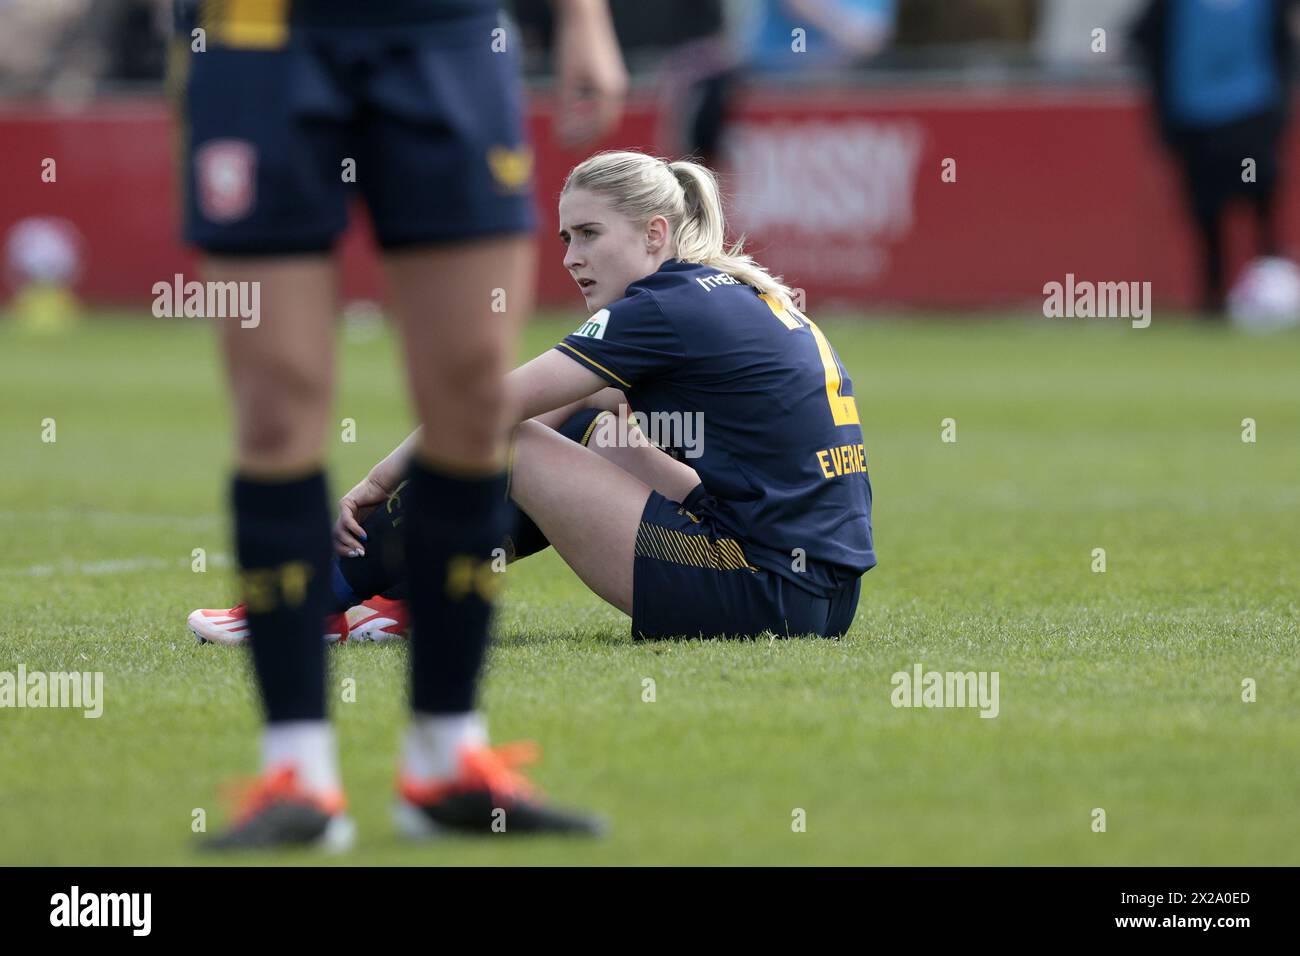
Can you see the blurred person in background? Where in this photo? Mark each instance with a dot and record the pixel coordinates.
(837, 33)
(34, 41)
(687, 46)
(980, 31)
(1221, 73)
(696, 80)
(1064, 28)
(68, 48)
(701, 79)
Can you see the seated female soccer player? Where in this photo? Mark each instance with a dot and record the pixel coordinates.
(768, 529)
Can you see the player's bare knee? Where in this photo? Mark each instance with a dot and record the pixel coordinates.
(472, 369)
(533, 445)
(275, 438)
(469, 442)
(465, 412)
(285, 420)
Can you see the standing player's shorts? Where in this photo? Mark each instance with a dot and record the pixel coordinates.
(689, 581)
(284, 121)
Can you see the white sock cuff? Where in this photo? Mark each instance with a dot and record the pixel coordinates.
(434, 742)
(306, 745)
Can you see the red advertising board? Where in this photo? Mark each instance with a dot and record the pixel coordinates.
(877, 199)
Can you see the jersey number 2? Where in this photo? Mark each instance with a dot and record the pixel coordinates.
(843, 409)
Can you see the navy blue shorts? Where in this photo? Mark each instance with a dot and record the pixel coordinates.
(428, 122)
(690, 581)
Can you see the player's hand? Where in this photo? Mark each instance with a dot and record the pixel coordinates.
(354, 507)
(592, 80)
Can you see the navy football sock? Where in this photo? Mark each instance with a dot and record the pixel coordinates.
(453, 525)
(578, 427)
(524, 537)
(282, 542)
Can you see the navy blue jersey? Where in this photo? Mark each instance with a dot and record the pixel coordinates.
(779, 448)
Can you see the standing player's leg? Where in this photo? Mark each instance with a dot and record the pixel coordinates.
(457, 353)
(447, 175)
(281, 379)
(1264, 141)
(458, 350)
(264, 202)
(1205, 193)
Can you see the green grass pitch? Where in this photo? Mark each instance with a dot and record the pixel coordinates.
(1119, 690)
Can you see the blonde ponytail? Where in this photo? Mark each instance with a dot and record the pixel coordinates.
(641, 187)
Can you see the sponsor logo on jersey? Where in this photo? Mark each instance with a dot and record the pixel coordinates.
(718, 278)
(594, 327)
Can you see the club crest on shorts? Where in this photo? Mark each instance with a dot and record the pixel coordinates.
(226, 175)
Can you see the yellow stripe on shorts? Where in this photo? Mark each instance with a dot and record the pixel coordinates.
(691, 550)
(246, 24)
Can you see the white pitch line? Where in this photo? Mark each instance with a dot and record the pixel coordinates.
(113, 517)
(110, 566)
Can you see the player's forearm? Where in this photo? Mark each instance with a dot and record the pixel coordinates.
(548, 382)
(607, 399)
(389, 472)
